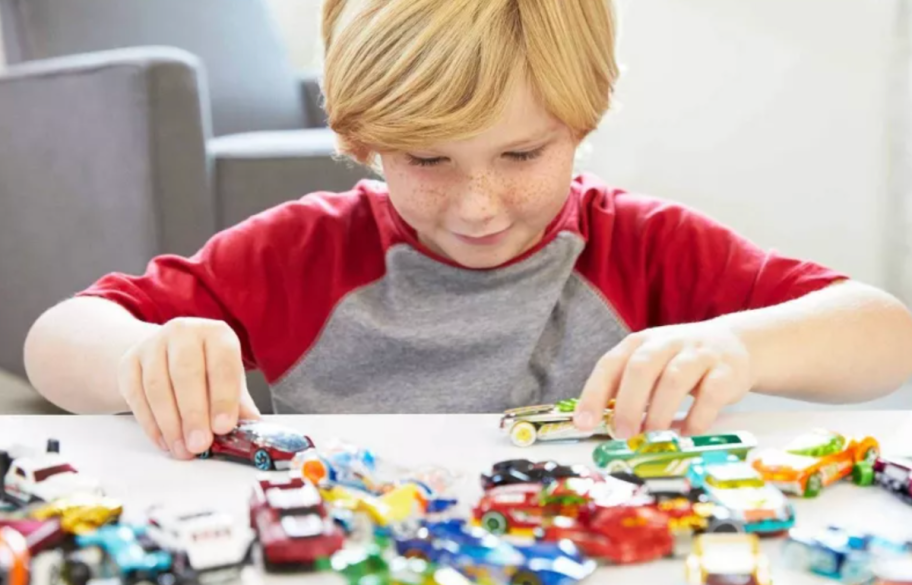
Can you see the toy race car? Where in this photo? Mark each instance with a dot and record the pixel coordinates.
(839, 554)
(616, 534)
(895, 474)
(478, 554)
(665, 453)
(817, 459)
(735, 485)
(41, 477)
(266, 445)
(722, 559)
(205, 545)
(524, 471)
(119, 551)
(371, 565)
(551, 422)
(79, 513)
(292, 523)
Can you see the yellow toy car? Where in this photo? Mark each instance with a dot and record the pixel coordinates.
(396, 505)
(722, 559)
(80, 514)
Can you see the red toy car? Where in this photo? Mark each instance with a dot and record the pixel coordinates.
(895, 474)
(40, 535)
(619, 534)
(291, 522)
(265, 445)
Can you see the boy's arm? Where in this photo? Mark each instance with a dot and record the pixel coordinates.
(73, 350)
(849, 342)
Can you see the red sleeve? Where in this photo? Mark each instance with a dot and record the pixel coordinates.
(273, 278)
(660, 263)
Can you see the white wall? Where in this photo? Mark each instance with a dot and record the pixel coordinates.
(770, 115)
(299, 22)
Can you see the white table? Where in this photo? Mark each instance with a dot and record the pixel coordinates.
(115, 450)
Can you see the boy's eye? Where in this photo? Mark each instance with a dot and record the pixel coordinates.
(425, 162)
(525, 156)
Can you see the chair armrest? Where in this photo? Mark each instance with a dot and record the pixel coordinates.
(103, 165)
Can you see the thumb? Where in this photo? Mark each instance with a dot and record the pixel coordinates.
(247, 409)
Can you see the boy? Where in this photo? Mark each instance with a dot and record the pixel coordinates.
(480, 275)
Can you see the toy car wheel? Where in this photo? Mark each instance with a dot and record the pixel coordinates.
(863, 474)
(495, 523)
(724, 526)
(813, 485)
(523, 434)
(74, 573)
(525, 578)
(856, 571)
(796, 556)
(262, 460)
(205, 454)
(617, 467)
(139, 578)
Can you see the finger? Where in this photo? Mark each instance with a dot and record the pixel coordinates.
(129, 383)
(709, 399)
(160, 396)
(638, 381)
(225, 374)
(681, 376)
(602, 384)
(187, 368)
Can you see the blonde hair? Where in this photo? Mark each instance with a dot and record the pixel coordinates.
(403, 74)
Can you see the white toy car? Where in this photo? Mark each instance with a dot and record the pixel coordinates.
(208, 546)
(29, 476)
(552, 422)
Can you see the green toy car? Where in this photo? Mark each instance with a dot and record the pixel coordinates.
(665, 453)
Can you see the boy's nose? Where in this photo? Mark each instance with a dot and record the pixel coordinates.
(478, 206)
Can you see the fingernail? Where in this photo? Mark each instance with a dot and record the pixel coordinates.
(584, 419)
(622, 431)
(162, 444)
(197, 441)
(179, 450)
(222, 423)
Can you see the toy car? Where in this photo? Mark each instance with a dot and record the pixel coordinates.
(206, 545)
(551, 422)
(618, 534)
(525, 471)
(79, 513)
(734, 484)
(726, 559)
(14, 558)
(895, 474)
(31, 477)
(118, 551)
(837, 553)
(342, 464)
(817, 459)
(291, 522)
(266, 445)
(481, 556)
(665, 453)
(371, 566)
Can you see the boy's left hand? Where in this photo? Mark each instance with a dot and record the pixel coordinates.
(652, 371)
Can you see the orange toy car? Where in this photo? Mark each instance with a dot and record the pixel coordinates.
(817, 459)
(14, 558)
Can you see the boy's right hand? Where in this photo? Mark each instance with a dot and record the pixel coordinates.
(185, 382)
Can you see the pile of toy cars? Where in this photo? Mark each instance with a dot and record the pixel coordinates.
(705, 501)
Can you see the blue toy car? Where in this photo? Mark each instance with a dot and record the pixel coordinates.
(481, 556)
(733, 484)
(838, 554)
(119, 551)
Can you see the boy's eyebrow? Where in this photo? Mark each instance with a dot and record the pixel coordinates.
(540, 137)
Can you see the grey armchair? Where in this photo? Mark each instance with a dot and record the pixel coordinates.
(130, 128)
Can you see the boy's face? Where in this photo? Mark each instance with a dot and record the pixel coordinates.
(481, 202)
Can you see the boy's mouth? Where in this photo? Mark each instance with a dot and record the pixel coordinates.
(485, 240)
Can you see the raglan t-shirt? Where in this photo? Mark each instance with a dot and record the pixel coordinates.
(341, 307)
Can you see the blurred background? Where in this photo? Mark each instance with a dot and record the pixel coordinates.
(788, 120)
